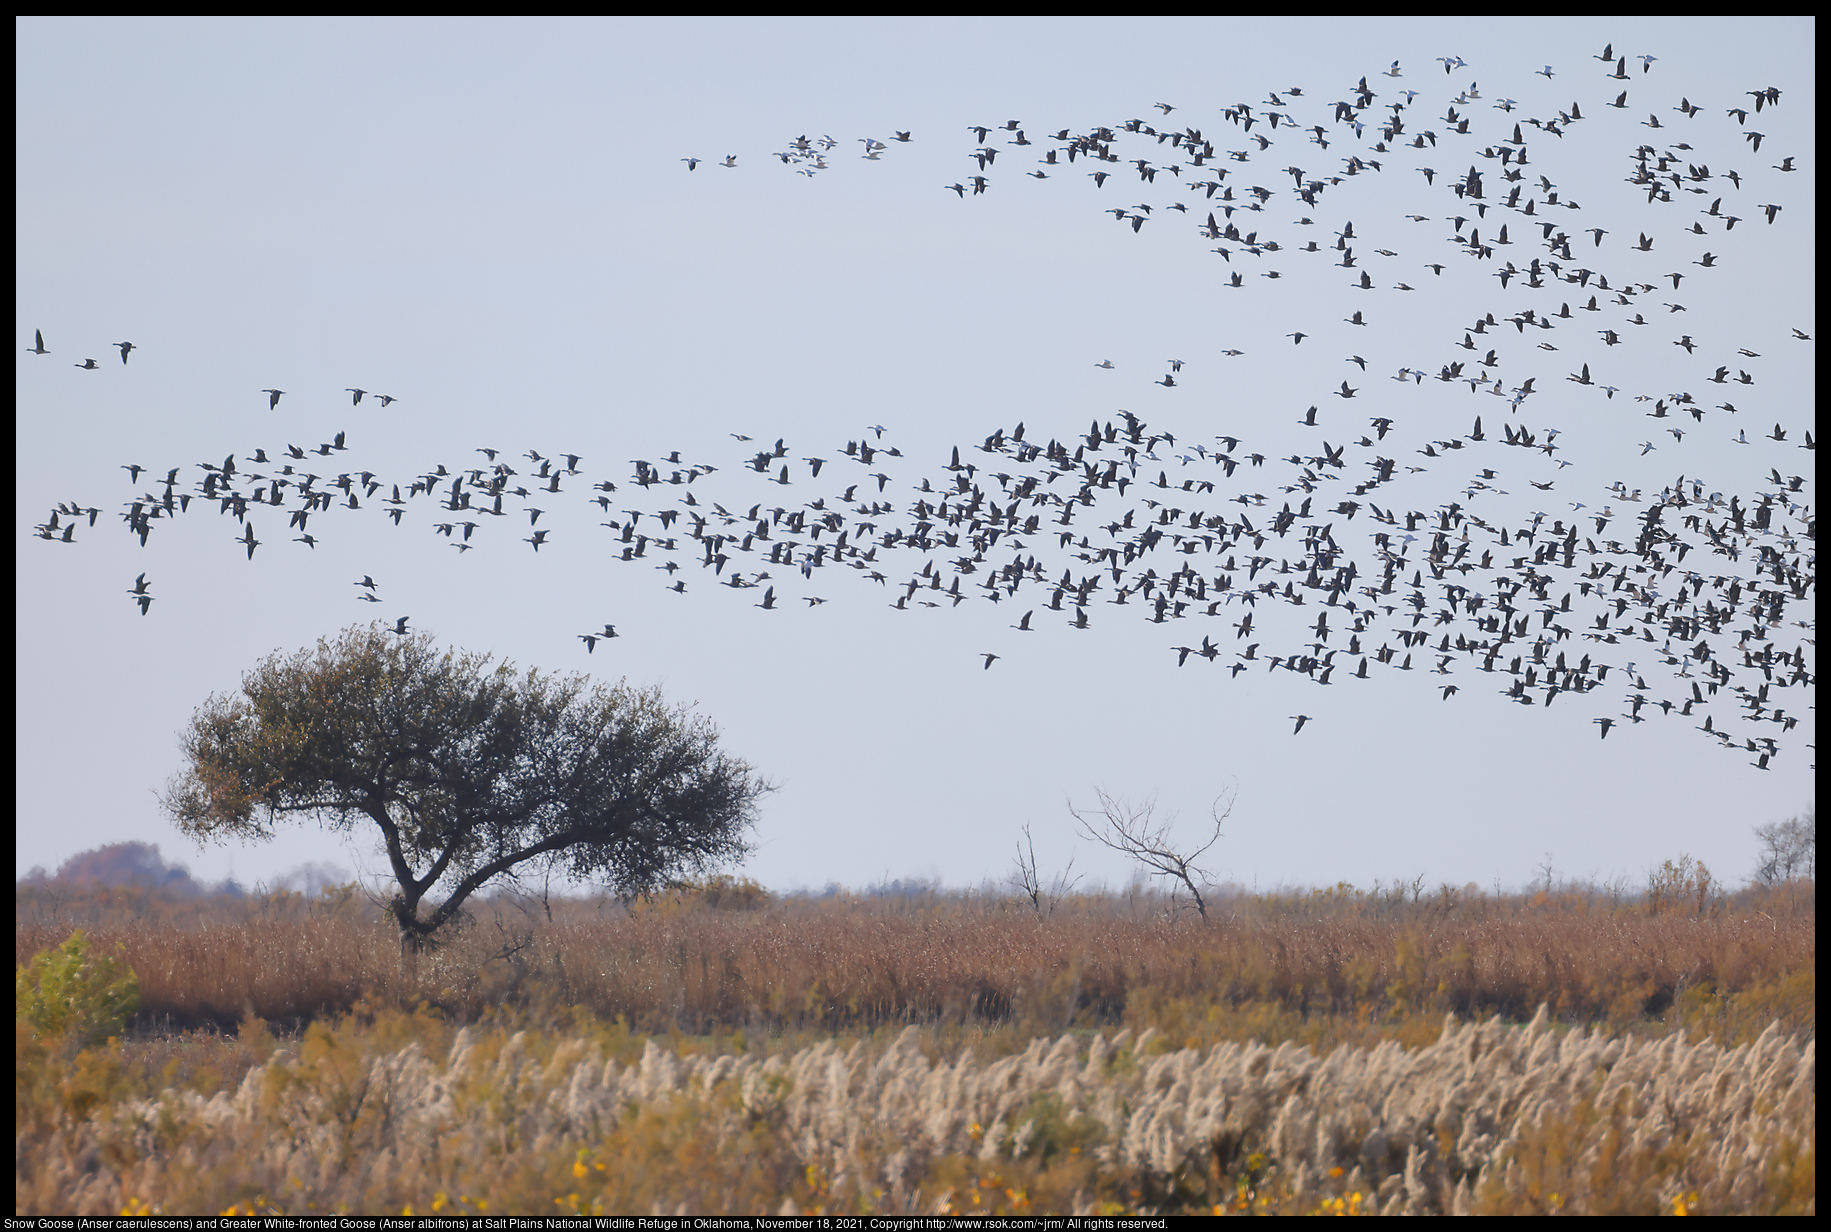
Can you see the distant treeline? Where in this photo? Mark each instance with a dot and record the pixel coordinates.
(140, 865)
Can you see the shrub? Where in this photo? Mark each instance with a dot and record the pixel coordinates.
(1685, 886)
(69, 992)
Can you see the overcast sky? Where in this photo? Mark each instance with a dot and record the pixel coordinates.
(491, 222)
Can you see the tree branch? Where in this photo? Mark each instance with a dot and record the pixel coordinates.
(1129, 831)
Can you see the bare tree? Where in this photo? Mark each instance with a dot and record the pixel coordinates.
(1132, 833)
(1789, 849)
(1026, 880)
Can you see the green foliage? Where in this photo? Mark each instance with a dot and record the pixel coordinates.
(1049, 1129)
(68, 992)
(470, 771)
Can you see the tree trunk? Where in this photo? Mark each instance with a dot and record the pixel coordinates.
(413, 940)
(410, 956)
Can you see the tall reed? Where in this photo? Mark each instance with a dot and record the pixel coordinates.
(1270, 966)
(400, 1113)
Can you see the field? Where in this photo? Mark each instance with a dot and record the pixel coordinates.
(721, 1050)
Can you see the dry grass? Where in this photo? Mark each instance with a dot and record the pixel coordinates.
(398, 1113)
(895, 1054)
(693, 963)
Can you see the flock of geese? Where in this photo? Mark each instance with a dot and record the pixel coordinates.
(1682, 603)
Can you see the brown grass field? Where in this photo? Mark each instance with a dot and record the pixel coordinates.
(719, 1050)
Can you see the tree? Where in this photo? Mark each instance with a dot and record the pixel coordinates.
(1026, 880)
(1789, 849)
(1130, 832)
(470, 773)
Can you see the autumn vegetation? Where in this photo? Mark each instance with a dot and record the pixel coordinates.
(1574, 1049)
(454, 1039)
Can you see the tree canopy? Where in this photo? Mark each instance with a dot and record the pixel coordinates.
(469, 771)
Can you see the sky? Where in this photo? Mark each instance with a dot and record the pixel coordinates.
(493, 223)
